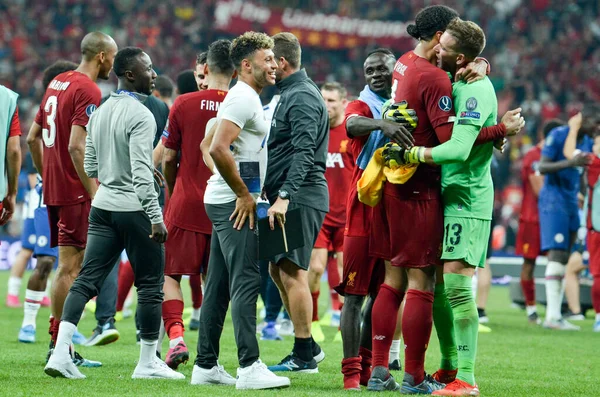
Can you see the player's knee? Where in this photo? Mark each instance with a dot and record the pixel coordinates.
(555, 269)
(44, 266)
(558, 256)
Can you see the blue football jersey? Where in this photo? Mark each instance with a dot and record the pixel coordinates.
(562, 186)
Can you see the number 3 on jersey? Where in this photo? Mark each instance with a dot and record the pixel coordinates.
(49, 134)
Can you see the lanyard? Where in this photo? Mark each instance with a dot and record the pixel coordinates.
(131, 94)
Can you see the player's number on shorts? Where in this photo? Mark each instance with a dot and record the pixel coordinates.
(455, 238)
(49, 134)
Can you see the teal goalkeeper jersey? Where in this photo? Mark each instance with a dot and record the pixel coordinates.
(467, 187)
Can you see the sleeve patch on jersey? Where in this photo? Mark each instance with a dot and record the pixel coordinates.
(470, 115)
(90, 109)
(471, 103)
(536, 166)
(467, 122)
(549, 140)
(165, 134)
(445, 103)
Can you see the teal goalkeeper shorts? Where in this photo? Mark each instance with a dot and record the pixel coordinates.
(466, 239)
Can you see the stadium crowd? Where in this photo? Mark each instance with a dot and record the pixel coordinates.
(346, 176)
(520, 34)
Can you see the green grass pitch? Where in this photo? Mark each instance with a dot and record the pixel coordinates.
(516, 359)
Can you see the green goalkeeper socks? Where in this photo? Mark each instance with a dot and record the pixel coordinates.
(444, 326)
(466, 322)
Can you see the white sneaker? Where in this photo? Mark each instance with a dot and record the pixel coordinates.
(258, 376)
(286, 328)
(155, 370)
(561, 325)
(59, 367)
(214, 376)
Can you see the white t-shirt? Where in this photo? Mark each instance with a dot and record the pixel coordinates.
(242, 107)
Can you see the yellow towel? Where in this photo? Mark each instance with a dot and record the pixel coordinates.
(370, 185)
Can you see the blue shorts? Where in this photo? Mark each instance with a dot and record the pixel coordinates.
(42, 227)
(28, 234)
(557, 223)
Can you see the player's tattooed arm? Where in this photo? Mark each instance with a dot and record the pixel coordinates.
(34, 141)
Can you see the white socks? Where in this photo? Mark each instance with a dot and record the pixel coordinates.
(395, 350)
(597, 316)
(196, 314)
(147, 351)
(531, 309)
(14, 285)
(174, 342)
(555, 272)
(33, 300)
(64, 339)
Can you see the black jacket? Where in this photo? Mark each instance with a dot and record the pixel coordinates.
(298, 144)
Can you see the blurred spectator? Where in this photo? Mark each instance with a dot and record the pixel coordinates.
(545, 54)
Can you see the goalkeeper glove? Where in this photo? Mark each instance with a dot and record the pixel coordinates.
(394, 155)
(399, 113)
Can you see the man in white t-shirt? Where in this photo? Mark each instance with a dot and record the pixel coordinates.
(239, 153)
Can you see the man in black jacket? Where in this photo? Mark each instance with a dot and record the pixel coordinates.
(295, 179)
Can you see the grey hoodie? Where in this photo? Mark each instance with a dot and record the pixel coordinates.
(118, 151)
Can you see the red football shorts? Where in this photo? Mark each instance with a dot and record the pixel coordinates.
(69, 224)
(528, 240)
(363, 274)
(593, 244)
(408, 233)
(331, 238)
(186, 252)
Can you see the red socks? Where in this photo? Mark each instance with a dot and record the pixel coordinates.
(172, 312)
(596, 294)
(528, 287)
(126, 278)
(351, 368)
(416, 330)
(53, 329)
(365, 363)
(196, 286)
(333, 279)
(315, 302)
(388, 301)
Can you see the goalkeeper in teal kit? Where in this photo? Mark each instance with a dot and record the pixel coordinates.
(467, 192)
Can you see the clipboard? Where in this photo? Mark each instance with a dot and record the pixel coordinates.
(281, 240)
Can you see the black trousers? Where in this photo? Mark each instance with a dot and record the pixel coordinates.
(109, 233)
(233, 274)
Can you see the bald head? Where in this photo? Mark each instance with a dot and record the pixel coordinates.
(96, 42)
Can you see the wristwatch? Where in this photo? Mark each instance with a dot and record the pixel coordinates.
(284, 195)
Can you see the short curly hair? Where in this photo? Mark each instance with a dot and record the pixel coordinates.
(55, 69)
(431, 20)
(470, 39)
(247, 44)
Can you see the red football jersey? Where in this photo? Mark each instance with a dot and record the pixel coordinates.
(184, 133)
(358, 215)
(338, 174)
(593, 175)
(15, 126)
(70, 100)
(529, 205)
(428, 91)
